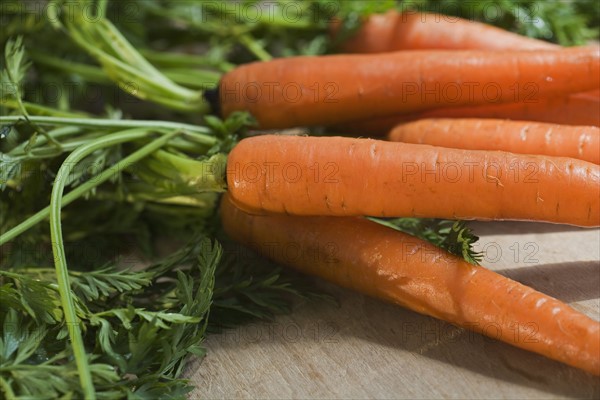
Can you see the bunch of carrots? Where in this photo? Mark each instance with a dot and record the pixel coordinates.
(473, 123)
(467, 159)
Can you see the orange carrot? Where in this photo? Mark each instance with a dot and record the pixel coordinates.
(577, 109)
(327, 90)
(395, 31)
(592, 94)
(353, 177)
(581, 142)
(375, 260)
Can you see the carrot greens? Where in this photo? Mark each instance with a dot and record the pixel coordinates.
(97, 316)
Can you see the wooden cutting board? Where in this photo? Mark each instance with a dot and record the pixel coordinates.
(364, 348)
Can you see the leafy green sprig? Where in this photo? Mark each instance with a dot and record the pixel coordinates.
(117, 318)
(453, 236)
(122, 335)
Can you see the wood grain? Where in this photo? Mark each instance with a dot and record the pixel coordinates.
(363, 348)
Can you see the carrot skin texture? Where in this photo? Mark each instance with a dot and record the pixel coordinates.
(591, 94)
(328, 90)
(354, 177)
(524, 137)
(394, 31)
(577, 109)
(377, 261)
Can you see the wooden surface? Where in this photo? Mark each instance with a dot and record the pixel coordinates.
(363, 348)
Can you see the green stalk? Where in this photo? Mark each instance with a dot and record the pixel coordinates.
(131, 66)
(193, 77)
(39, 271)
(102, 5)
(41, 110)
(184, 175)
(177, 105)
(89, 72)
(8, 392)
(166, 59)
(122, 47)
(251, 44)
(120, 137)
(202, 134)
(190, 77)
(37, 154)
(55, 133)
(130, 72)
(62, 273)
(187, 145)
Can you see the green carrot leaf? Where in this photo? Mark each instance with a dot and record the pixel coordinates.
(454, 236)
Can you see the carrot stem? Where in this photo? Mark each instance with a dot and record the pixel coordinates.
(121, 137)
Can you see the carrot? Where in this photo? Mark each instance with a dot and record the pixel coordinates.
(592, 94)
(353, 177)
(577, 109)
(395, 31)
(375, 260)
(582, 142)
(327, 90)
